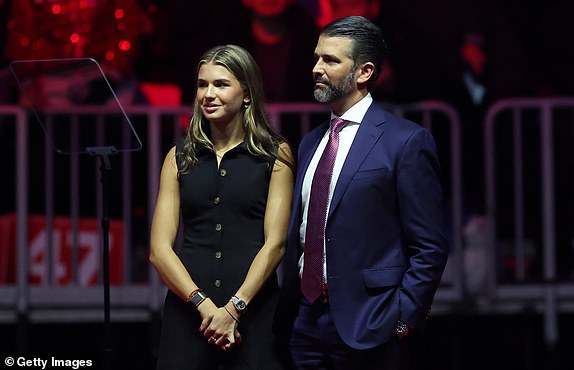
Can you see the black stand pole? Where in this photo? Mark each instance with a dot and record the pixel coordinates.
(104, 153)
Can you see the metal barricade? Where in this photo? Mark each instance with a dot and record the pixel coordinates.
(77, 299)
(136, 179)
(525, 211)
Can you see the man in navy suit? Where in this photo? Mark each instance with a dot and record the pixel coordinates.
(383, 244)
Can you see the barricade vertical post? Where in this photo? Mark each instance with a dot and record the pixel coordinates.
(549, 234)
(22, 228)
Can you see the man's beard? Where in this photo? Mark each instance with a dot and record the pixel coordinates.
(329, 93)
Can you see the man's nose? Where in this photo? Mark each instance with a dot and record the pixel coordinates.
(318, 68)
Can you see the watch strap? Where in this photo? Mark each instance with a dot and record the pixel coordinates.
(197, 298)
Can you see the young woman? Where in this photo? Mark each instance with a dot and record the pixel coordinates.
(231, 177)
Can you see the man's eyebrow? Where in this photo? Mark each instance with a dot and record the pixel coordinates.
(326, 56)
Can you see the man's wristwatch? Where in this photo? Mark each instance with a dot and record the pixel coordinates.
(401, 329)
(239, 304)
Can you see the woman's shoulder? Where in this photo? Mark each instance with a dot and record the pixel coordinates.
(284, 155)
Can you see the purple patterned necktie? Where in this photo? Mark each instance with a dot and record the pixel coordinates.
(313, 277)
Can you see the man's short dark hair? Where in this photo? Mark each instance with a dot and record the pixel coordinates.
(368, 43)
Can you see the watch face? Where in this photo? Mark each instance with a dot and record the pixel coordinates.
(239, 303)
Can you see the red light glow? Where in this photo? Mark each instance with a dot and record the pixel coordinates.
(119, 14)
(74, 38)
(56, 9)
(124, 45)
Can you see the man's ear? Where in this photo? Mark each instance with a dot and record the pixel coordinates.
(365, 72)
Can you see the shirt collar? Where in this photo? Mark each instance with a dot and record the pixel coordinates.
(357, 112)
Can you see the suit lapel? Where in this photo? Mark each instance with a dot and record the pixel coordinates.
(370, 130)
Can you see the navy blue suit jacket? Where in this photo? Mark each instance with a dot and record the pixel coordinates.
(385, 236)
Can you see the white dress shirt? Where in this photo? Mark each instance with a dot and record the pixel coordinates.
(354, 116)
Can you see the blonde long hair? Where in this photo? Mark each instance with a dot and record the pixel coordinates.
(260, 137)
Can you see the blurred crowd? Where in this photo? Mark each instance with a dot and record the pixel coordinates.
(466, 53)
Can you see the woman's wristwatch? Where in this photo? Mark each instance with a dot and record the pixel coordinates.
(239, 304)
(197, 297)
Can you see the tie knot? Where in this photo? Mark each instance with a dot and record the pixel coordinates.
(337, 124)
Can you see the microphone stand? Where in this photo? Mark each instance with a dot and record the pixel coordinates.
(104, 153)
